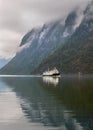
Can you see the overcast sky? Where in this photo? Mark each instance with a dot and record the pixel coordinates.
(17, 17)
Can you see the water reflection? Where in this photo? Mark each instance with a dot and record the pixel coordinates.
(9, 108)
(9, 105)
(66, 107)
(51, 80)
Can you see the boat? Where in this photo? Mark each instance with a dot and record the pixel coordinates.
(52, 72)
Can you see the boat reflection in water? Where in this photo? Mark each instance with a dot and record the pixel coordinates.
(51, 80)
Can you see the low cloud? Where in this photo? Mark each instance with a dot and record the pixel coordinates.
(9, 42)
(20, 16)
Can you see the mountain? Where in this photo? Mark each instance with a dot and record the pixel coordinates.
(76, 55)
(68, 45)
(39, 44)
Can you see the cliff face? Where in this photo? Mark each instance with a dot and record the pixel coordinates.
(67, 45)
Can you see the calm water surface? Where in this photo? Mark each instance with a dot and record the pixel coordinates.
(37, 103)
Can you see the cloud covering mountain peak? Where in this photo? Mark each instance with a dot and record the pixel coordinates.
(18, 17)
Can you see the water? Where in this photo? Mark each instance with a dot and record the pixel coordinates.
(36, 103)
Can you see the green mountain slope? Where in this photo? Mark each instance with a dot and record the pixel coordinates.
(71, 60)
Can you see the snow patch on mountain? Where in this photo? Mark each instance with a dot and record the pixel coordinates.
(65, 34)
(78, 20)
(42, 35)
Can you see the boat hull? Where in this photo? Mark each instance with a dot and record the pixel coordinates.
(54, 75)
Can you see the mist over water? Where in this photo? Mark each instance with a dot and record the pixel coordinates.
(37, 103)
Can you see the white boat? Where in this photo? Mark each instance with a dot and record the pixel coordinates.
(53, 72)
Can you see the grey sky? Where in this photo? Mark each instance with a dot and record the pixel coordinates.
(18, 17)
